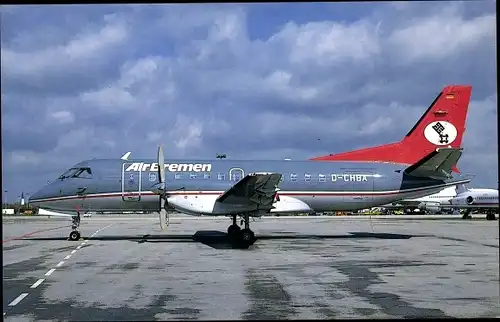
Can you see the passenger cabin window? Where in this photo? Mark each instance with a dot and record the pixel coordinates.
(206, 176)
(322, 178)
(177, 176)
(221, 176)
(83, 173)
(293, 177)
(236, 174)
(192, 176)
(307, 177)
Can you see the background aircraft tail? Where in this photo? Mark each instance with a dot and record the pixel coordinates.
(442, 125)
(460, 188)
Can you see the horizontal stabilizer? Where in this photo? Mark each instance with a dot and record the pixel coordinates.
(436, 165)
(255, 189)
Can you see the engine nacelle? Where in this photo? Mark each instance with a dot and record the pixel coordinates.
(207, 204)
(431, 207)
(288, 204)
(463, 200)
(193, 204)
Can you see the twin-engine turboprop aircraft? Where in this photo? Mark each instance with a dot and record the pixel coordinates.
(253, 188)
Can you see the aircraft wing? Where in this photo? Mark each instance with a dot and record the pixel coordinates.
(256, 191)
(437, 165)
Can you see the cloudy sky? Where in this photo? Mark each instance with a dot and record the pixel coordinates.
(250, 80)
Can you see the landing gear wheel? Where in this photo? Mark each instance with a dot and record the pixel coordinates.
(241, 237)
(231, 230)
(74, 235)
(466, 216)
(247, 237)
(490, 216)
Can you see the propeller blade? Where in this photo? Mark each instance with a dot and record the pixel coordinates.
(163, 219)
(161, 165)
(161, 214)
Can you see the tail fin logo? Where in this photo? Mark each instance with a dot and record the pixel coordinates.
(440, 133)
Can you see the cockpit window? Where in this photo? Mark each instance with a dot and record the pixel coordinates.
(84, 173)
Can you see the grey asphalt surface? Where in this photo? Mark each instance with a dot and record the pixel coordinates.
(304, 268)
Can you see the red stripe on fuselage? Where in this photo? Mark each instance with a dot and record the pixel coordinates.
(192, 193)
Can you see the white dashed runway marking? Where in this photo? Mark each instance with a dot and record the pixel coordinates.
(37, 283)
(52, 270)
(18, 299)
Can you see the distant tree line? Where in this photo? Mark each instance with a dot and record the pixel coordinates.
(21, 209)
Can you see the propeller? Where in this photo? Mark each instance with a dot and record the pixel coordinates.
(163, 214)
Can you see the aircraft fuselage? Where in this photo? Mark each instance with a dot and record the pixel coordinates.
(193, 185)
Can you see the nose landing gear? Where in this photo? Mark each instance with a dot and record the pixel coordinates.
(75, 234)
(467, 215)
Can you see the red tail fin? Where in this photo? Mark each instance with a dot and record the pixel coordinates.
(443, 124)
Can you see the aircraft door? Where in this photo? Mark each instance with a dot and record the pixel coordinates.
(359, 184)
(236, 174)
(131, 184)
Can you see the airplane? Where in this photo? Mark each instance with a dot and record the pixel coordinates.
(432, 203)
(252, 188)
(475, 199)
(462, 197)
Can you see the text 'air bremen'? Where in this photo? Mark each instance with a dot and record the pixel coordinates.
(172, 167)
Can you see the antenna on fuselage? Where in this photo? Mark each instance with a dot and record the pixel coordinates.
(126, 155)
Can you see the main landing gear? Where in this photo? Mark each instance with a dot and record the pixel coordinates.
(75, 234)
(490, 215)
(244, 237)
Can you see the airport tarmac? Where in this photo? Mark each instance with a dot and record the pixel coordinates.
(125, 268)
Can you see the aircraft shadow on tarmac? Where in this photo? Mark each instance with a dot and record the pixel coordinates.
(219, 240)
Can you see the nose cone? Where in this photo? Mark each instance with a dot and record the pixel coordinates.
(43, 194)
(35, 197)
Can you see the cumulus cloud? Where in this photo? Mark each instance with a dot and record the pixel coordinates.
(429, 38)
(82, 48)
(330, 42)
(63, 116)
(196, 78)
